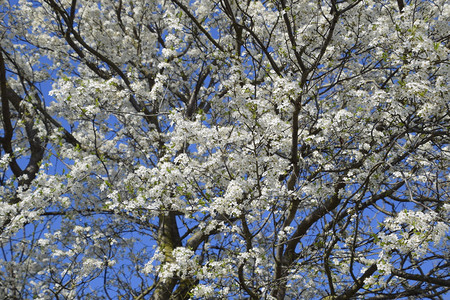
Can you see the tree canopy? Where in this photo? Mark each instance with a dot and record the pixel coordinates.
(205, 149)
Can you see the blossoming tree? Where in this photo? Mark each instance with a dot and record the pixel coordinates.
(230, 149)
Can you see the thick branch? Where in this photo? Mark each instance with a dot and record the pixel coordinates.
(6, 114)
(357, 285)
(421, 278)
(321, 211)
(168, 240)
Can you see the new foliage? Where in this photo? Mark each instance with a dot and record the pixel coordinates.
(224, 149)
